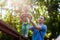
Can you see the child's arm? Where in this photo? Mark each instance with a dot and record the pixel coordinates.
(28, 20)
(36, 26)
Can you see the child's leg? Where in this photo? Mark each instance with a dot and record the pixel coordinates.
(23, 29)
(26, 33)
(27, 30)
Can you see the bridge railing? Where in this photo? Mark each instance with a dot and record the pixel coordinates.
(6, 28)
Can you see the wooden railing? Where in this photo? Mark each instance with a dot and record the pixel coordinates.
(6, 28)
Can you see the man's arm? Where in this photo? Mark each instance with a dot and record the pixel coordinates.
(31, 28)
(36, 26)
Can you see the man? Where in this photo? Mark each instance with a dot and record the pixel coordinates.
(39, 30)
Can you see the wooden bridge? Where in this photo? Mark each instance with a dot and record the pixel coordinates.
(6, 28)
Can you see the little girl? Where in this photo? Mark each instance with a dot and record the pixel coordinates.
(25, 16)
(26, 23)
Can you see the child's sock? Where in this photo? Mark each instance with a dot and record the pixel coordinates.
(26, 35)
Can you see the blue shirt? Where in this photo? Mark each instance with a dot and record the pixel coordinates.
(39, 34)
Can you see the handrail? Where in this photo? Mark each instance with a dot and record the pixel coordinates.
(6, 28)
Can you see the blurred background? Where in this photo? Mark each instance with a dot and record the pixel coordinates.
(10, 11)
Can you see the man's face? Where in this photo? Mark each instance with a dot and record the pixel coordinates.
(41, 19)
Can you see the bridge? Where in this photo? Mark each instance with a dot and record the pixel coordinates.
(6, 28)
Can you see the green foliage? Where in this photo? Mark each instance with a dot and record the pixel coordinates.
(48, 8)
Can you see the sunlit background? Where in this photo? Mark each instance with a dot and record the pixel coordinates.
(12, 5)
(10, 11)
